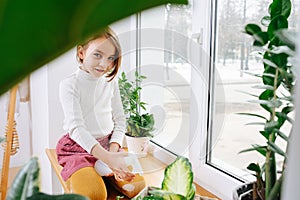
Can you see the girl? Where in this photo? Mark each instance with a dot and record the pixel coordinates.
(94, 117)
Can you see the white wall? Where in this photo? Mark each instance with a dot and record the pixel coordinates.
(47, 114)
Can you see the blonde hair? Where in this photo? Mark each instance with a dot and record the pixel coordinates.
(111, 36)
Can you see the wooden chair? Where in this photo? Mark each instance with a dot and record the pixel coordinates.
(57, 168)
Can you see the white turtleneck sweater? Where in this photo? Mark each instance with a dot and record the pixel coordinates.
(92, 109)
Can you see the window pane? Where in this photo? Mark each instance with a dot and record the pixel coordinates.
(164, 48)
(235, 58)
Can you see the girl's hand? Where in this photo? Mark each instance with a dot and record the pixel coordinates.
(119, 167)
(114, 147)
(115, 161)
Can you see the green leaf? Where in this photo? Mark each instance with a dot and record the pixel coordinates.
(254, 95)
(26, 182)
(261, 149)
(178, 177)
(265, 87)
(254, 115)
(252, 29)
(44, 196)
(35, 32)
(256, 123)
(270, 103)
(271, 125)
(279, 22)
(282, 135)
(275, 148)
(283, 117)
(280, 7)
(166, 195)
(265, 133)
(261, 38)
(191, 193)
(270, 63)
(259, 75)
(266, 97)
(283, 49)
(254, 167)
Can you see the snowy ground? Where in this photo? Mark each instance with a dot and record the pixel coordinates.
(231, 133)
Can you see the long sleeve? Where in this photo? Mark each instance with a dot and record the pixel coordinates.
(74, 123)
(118, 116)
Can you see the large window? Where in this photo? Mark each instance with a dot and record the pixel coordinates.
(234, 59)
(197, 60)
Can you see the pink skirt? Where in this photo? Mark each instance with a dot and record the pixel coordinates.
(72, 157)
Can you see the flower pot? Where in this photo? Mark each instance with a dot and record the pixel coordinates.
(137, 145)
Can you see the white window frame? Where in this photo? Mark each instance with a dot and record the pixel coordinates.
(212, 179)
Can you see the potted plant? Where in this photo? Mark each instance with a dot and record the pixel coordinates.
(276, 99)
(26, 185)
(139, 125)
(178, 183)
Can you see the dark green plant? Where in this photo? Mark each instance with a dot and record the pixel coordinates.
(26, 185)
(32, 33)
(138, 125)
(276, 99)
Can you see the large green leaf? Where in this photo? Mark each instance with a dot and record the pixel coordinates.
(34, 32)
(178, 177)
(280, 7)
(26, 182)
(279, 22)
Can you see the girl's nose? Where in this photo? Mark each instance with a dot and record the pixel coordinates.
(102, 63)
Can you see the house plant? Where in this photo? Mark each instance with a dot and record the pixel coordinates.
(177, 183)
(26, 185)
(139, 125)
(276, 99)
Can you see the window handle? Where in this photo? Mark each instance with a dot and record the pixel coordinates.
(198, 37)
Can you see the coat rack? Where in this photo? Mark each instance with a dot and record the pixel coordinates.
(11, 144)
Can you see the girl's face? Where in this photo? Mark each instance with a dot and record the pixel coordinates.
(97, 56)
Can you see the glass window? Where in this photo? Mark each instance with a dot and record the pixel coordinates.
(164, 37)
(235, 59)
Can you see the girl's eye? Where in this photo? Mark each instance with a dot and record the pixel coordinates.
(98, 55)
(111, 58)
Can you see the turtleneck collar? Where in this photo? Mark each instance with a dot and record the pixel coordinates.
(85, 75)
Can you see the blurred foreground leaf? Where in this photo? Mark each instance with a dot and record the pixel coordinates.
(34, 32)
